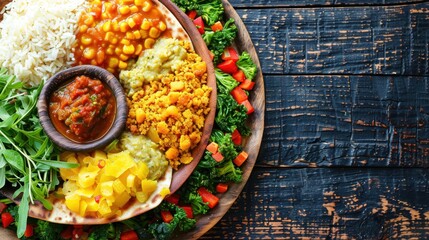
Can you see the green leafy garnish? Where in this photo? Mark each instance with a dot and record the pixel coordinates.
(28, 158)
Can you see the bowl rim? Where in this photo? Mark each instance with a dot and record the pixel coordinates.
(62, 77)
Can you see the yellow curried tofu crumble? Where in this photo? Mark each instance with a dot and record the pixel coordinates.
(172, 110)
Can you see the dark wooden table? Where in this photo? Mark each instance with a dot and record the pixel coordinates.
(345, 152)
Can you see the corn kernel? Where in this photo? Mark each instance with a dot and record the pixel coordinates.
(134, 9)
(109, 36)
(123, 26)
(129, 35)
(93, 62)
(83, 28)
(124, 10)
(113, 62)
(146, 24)
(154, 32)
(146, 7)
(115, 25)
(137, 34)
(118, 51)
(114, 40)
(122, 65)
(110, 51)
(107, 26)
(85, 40)
(162, 26)
(104, 15)
(110, 70)
(128, 49)
(125, 41)
(89, 53)
(144, 33)
(148, 43)
(139, 49)
(100, 57)
(123, 57)
(89, 20)
(131, 22)
(138, 2)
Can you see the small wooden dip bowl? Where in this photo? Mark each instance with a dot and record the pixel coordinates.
(59, 80)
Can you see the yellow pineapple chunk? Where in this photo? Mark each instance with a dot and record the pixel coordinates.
(148, 186)
(92, 205)
(122, 199)
(140, 170)
(120, 162)
(86, 176)
(142, 197)
(83, 207)
(106, 188)
(118, 186)
(100, 155)
(104, 208)
(73, 202)
(85, 192)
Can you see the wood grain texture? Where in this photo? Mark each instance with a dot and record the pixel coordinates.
(316, 3)
(346, 121)
(388, 40)
(329, 204)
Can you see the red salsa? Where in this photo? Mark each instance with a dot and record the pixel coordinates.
(83, 110)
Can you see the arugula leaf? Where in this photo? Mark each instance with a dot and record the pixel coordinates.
(28, 158)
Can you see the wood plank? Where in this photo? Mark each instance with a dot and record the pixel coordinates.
(329, 204)
(346, 121)
(388, 40)
(315, 3)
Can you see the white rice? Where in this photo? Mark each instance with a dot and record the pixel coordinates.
(36, 37)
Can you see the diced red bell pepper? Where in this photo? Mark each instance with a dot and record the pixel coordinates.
(249, 106)
(29, 231)
(212, 147)
(129, 235)
(174, 199)
(6, 219)
(67, 233)
(3, 206)
(188, 211)
(247, 85)
(97, 198)
(77, 232)
(236, 137)
(218, 157)
(217, 26)
(208, 197)
(199, 23)
(239, 94)
(166, 216)
(230, 54)
(228, 66)
(240, 159)
(192, 14)
(239, 76)
(221, 187)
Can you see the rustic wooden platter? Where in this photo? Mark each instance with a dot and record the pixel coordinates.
(252, 144)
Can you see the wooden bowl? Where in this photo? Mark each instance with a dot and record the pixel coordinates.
(59, 80)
